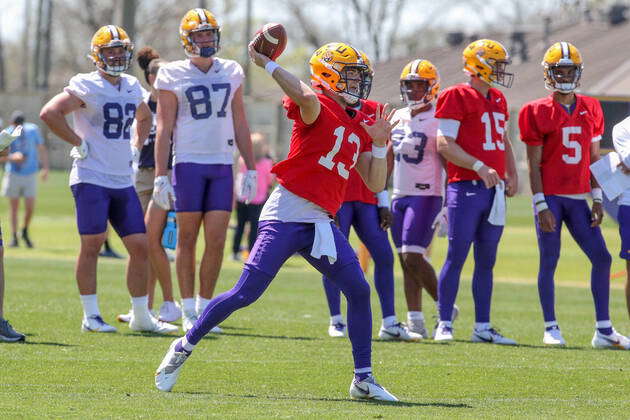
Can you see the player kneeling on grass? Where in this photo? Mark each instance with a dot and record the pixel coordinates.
(481, 170)
(562, 133)
(103, 104)
(327, 141)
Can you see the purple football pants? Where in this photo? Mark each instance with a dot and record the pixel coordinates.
(469, 204)
(276, 242)
(577, 216)
(364, 218)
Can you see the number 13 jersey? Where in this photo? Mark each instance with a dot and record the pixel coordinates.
(566, 140)
(482, 127)
(204, 129)
(322, 154)
(417, 166)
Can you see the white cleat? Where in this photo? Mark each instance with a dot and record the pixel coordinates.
(188, 320)
(443, 332)
(337, 330)
(417, 326)
(167, 372)
(124, 317)
(368, 389)
(170, 312)
(553, 337)
(454, 316)
(151, 324)
(399, 332)
(490, 335)
(612, 341)
(95, 323)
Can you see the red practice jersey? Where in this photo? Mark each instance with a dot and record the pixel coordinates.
(322, 154)
(482, 127)
(357, 190)
(566, 140)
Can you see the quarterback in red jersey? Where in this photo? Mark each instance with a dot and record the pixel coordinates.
(562, 133)
(327, 141)
(481, 170)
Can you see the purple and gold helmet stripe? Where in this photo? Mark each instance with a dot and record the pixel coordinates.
(566, 51)
(202, 15)
(113, 32)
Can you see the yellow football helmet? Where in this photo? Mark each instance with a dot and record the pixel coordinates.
(487, 60)
(197, 20)
(107, 37)
(422, 71)
(562, 54)
(330, 66)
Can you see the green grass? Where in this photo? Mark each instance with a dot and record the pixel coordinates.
(275, 358)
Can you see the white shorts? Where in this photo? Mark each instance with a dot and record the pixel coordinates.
(16, 186)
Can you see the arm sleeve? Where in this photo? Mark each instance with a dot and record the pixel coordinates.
(530, 134)
(78, 87)
(448, 127)
(598, 130)
(238, 76)
(163, 80)
(450, 106)
(621, 141)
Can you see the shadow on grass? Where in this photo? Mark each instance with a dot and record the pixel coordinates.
(341, 400)
(156, 335)
(278, 337)
(46, 343)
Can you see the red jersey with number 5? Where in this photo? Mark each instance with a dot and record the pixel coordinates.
(482, 127)
(566, 139)
(322, 154)
(357, 190)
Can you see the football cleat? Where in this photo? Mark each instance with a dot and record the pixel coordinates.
(151, 324)
(368, 389)
(443, 332)
(553, 337)
(168, 371)
(490, 335)
(454, 316)
(124, 317)
(170, 312)
(188, 320)
(612, 341)
(95, 323)
(8, 334)
(417, 326)
(337, 330)
(399, 332)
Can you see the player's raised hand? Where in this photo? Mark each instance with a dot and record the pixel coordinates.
(257, 58)
(489, 176)
(597, 214)
(380, 130)
(546, 220)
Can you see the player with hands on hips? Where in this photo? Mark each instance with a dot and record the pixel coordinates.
(328, 140)
(481, 170)
(562, 133)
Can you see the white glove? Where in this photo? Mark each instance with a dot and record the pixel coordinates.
(79, 152)
(163, 192)
(249, 187)
(440, 223)
(7, 137)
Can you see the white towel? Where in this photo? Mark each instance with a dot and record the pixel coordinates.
(324, 242)
(497, 213)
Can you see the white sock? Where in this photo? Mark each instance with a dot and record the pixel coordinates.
(480, 326)
(188, 304)
(389, 321)
(336, 319)
(415, 316)
(551, 324)
(599, 324)
(186, 345)
(140, 306)
(448, 324)
(90, 305)
(200, 304)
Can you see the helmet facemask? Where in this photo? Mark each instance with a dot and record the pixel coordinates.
(115, 64)
(556, 76)
(499, 76)
(355, 83)
(207, 50)
(416, 93)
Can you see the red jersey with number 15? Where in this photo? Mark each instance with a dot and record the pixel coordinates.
(322, 154)
(566, 139)
(357, 190)
(482, 127)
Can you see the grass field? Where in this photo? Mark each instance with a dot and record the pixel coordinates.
(275, 358)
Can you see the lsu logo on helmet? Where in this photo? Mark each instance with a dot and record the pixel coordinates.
(343, 69)
(487, 60)
(559, 55)
(111, 36)
(419, 71)
(198, 20)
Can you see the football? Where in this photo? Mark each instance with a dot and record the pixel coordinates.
(270, 40)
